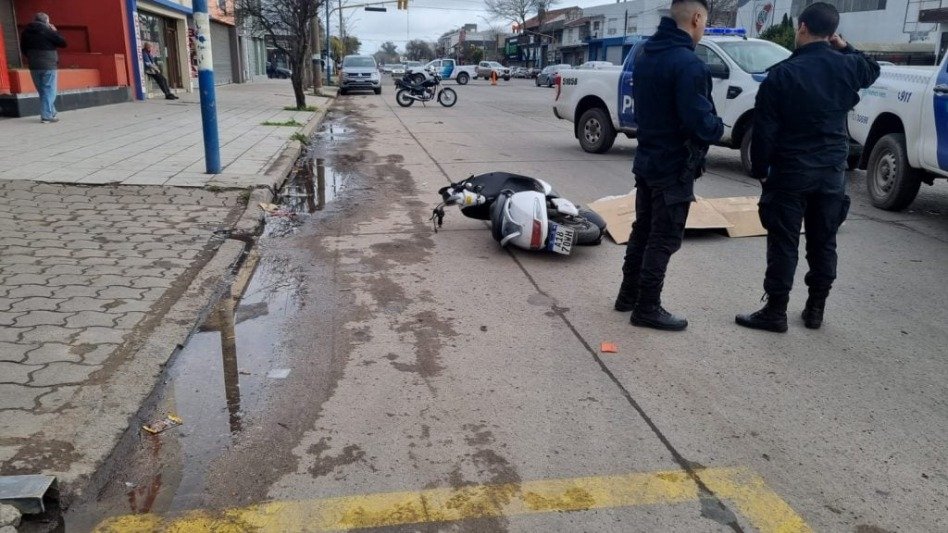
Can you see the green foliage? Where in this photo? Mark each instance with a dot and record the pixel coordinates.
(291, 122)
(783, 34)
(304, 140)
(340, 50)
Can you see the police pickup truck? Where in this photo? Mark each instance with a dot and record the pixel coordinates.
(599, 102)
(902, 123)
(447, 68)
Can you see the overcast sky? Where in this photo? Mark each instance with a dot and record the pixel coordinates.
(425, 19)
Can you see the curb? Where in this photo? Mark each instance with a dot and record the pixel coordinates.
(145, 369)
(250, 222)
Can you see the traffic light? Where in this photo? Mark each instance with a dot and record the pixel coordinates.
(402, 4)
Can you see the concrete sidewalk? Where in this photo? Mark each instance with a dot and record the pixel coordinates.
(156, 142)
(113, 242)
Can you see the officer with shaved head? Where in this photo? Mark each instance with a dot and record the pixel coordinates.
(676, 123)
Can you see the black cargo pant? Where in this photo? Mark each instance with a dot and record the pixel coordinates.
(161, 81)
(821, 212)
(656, 234)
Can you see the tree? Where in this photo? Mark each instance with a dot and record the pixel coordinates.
(722, 12)
(783, 34)
(343, 47)
(387, 54)
(289, 25)
(514, 11)
(418, 50)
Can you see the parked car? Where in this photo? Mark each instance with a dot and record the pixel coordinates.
(598, 65)
(397, 70)
(520, 72)
(486, 68)
(600, 103)
(360, 73)
(447, 68)
(547, 76)
(902, 122)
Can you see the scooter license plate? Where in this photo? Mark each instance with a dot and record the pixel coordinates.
(561, 239)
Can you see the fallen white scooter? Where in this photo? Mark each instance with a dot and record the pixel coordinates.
(523, 212)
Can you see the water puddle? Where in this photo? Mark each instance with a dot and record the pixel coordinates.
(227, 382)
(313, 182)
(219, 385)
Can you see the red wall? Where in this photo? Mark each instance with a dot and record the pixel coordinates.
(98, 26)
(4, 75)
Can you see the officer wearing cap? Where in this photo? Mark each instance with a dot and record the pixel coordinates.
(676, 124)
(799, 152)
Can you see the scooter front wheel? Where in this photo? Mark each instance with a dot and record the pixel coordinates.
(447, 97)
(403, 98)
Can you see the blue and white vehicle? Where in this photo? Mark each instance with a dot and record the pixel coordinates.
(600, 103)
(447, 68)
(902, 123)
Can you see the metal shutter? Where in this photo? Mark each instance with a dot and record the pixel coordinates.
(614, 55)
(10, 34)
(220, 50)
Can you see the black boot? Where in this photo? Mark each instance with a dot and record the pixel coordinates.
(773, 317)
(813, 312)
(628, 295)
(656, 317)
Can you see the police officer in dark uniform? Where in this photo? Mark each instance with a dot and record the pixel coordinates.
(799, 152)
(676, 124)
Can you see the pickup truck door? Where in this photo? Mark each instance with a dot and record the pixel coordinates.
(934, 121)
(719, 84)
(626, 107)
(447, 68)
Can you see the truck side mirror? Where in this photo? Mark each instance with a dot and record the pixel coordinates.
(720, 71)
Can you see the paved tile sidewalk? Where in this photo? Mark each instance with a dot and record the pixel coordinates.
(156, 142)
(86, 273)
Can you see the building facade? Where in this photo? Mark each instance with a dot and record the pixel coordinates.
(102, 62)
(902, 31)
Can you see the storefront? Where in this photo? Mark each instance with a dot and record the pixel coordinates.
(163, 24)
(95, 68)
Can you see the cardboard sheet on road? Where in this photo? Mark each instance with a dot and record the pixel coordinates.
(737, 215)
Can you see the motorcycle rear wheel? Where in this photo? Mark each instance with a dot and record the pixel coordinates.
(403, 98)
(447, 97)
(587, 227)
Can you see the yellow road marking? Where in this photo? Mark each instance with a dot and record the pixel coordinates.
(762, 507)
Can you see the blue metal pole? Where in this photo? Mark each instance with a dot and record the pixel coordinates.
(212, 145)
(131, 7)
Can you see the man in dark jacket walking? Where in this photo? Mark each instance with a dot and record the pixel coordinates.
(39, 42)
(799, 152)
(676, 123)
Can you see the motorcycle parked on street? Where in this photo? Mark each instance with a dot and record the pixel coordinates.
(410, 90)
(524, 212)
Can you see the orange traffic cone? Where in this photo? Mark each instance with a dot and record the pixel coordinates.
(493, 77)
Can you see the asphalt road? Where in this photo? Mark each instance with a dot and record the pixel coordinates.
(438, 383)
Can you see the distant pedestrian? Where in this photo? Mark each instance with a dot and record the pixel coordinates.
(799, 153)
(39, 42)
(154, 71)
(676, 124)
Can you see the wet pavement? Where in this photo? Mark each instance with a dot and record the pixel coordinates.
(366, 356)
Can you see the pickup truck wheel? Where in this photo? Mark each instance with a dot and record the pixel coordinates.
(746, 151)
(537, 80)
(463, 78)
(596, 134)
(506, 78)
(892, 183)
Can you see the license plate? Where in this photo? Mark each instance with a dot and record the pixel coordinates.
(561, 239)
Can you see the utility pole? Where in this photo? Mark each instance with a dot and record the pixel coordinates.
(328, 47)
(342, 32)
(315, 39)
(212, 145)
